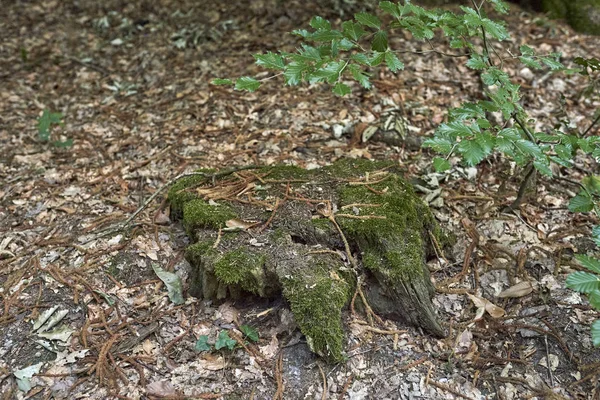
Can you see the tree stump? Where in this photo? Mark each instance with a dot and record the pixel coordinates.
(309, 235)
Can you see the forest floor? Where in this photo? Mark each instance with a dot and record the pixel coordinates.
(131, 80)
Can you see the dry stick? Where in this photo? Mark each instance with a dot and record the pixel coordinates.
(324, 394)
(346, 386)
(279, 378)
(154, 195)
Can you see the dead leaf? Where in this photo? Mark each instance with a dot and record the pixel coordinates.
(238, 225)
(484, 305)
(212, 363)
(519, 290)
(228, 313)
(271, 349)
(161, 389)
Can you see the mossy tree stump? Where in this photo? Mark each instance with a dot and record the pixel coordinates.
(308, 235)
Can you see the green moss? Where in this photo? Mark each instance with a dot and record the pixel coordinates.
(283, 172)
(198, 213)
(582, 15)
(393, 246)
(316, 301)
(178, 195)
(244, 268)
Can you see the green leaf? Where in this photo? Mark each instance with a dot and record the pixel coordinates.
(250, 333)
(471, 151)
(477, 62)
(527, 51)
(581, 203)
(441, 164)
(553, 62)
(494, 29)
(247, 83)
(368, 20)
(326, 36)
(583, 282)
(202, 344)
(63, 144)
(269, 60)
(219, 81)
(591, 263)
(500, 6)
(596, 333)
(392, 62)
(361, 58)
(376, 59)
(467, 111)
(529, 148)
(596, 234)
(353, 30)
(330, 73)
(360, 76)
(455, 129)
(390, 8)
(380, 41)
(530, 62)
(172, 282)
(341, 89)
(441, 145)
(543, 166)
(224, 341)
(293, 73)
(594, 299)
(320, 23)
(46, 121)
(592, 184)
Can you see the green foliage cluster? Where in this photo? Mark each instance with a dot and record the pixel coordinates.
(338, 55)
(224, 341)
(46, 122)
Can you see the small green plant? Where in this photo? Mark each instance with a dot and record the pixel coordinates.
(339, 56)
(224, 341)
(46, 122)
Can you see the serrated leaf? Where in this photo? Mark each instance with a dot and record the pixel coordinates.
(583, 282)
(455, 129)
(223, 340)
(219, 81)
(250, 333)
(320, 23)
(581, 203)
(390, 8)
(293, 73)
(592, 184)
(500, 6)
(591, 263)
(494, 29)
(467, 111)
(441, 164)
(441, 145)
(202, 343)
(361, 58)
(380, 41)
(247, 83)
(530, 62)
(326, 36)
(392, 62)
(477, 62)
(471, 151)
(329, 73)
(529, 148)
(269, 60)
(368, 20)
(353, 30)
(341, 89)
(553, 63)
(543, 166)
(594, 299)
(360, 76)
(376, 59)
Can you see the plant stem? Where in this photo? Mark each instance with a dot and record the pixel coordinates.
(591, 126)
(522, 189)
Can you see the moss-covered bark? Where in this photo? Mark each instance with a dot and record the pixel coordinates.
(296, 225)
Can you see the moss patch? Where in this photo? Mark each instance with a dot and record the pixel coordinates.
(244, 268)
(198, 213)
(317, 299)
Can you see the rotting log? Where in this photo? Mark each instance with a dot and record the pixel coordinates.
(309, 236)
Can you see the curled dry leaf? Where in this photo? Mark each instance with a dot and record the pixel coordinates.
(160, 388)
(238, 225)
(484, 305)
(519, 290)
